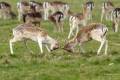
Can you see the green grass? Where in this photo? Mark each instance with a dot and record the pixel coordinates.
(59, 64)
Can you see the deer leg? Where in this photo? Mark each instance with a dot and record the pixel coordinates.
(61, 23)
(40, 45)
(70, 33)
(77, 30)
(102, 15)
(57, 26)
(116, 26)
(46, 13)
(19, 15)
(102, 44)
(13, 41)
(106, 47)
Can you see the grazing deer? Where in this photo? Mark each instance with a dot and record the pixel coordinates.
(5, 11)
(55, 6)
(88, 8)
(28, 31)
(107, 9)
(93, 31)
(34, 18)
(23, 8)
(57, 18)
(116, 18)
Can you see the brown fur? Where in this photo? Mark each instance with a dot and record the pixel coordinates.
(29, 28)
(55, 3)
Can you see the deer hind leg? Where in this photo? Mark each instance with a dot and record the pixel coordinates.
(61, 23)
(102, 15)
(46, 14)
(15, 39)
(116, 26)
(106, 47)
(73, 25)
(40, 45)
(101, 46)
(71, 32)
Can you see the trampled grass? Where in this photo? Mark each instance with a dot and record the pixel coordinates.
(59, 64)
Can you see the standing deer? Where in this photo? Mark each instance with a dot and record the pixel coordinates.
(93, 31)
(107, 9)
(55, 6)
(23, 8)
(6, 11)
(57, 18)
(88, 8)
(28, 31)
(37, 6)
(116, 18)
(34, 18)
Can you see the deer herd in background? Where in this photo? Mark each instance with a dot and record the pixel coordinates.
(32, 13)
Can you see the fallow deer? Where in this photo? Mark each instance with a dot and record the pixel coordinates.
(6, 11)
(34, 18)
(37, 5)
(80, 19)
(93, 31)
(55, 6)
(88, 8)
(28, 31)
(57, 18)
(116, 18)
(23, 8)
(107, 8)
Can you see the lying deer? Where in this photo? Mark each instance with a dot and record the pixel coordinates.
(116, 18)
(28, 31)
(93, 31)
(55, 6)
(57, 18)
(107, 9)
(34, 18)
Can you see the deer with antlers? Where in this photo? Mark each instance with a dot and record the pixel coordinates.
(28, 31)
(93, 31)
(55, 6)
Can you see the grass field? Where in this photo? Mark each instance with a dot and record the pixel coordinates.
(59, 64)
